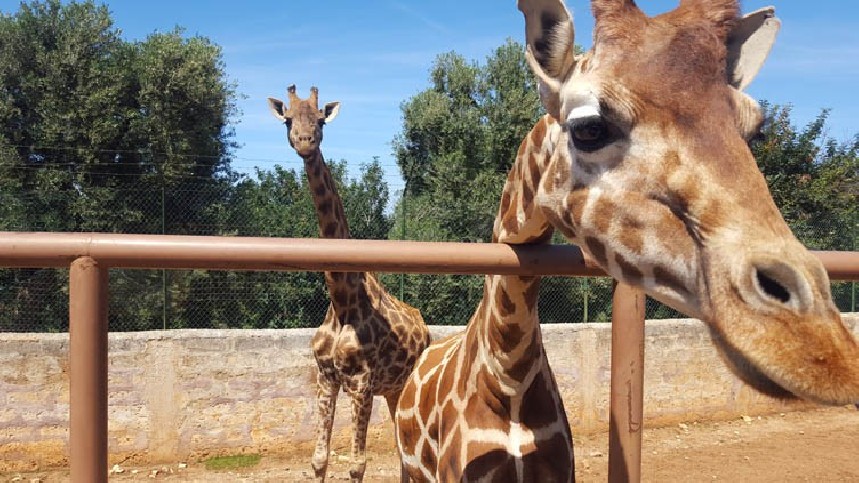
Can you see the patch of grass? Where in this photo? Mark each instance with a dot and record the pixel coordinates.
(232, 462)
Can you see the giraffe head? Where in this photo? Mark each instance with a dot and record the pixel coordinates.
(304, 119)
(652, 176)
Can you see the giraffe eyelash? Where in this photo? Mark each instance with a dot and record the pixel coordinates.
(591, 133)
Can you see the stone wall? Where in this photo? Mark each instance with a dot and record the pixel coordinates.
(187, 393)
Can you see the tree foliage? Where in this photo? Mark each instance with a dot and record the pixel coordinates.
(101, 134)
(814, 180)
(95, 131)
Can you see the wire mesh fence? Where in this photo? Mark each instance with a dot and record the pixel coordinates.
(36, 300)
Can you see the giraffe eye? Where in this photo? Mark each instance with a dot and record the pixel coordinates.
(590, 134)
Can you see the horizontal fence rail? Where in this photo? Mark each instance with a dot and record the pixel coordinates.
(59, 250)
(90, 255)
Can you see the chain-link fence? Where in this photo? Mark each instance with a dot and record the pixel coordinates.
(36, 300)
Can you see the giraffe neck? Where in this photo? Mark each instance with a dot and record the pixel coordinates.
(509, 324)
(326, 199)
(344, 287)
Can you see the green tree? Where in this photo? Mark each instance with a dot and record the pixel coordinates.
(814, 181)
(101, 134)
(366, 202)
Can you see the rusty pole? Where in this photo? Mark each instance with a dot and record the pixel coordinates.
(627, 384)
(88, 371)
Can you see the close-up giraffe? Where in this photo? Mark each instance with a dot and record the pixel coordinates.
(369, 340)
(642, 161)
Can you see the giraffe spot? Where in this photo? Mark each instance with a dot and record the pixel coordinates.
(538, 404)
(667, 278)
(631, 273)
(632, 237)
(448, 412)
(603, 213)
(488, 459)
(532, 291)
(490, 405)
(428, 457)
(576, 202)
(556, 222)
(407, 397)
(538, 132)
(364, 331)
(505, 200)
(507, 335)
(330, 230)
(597, 249)
(320, 190)
(526, 361)
(322, 345)
(446, 380)
(449, 464)
(527, 196)
(534, 168)
(467, 363)
(712, 216)
(432, 430)
(505, 305)
(551, 458)
(522, 146)
(509, 221)
(400, 357)
(324, 206)
(428, 399)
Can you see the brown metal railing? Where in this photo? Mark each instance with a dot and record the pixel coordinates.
(90, 255)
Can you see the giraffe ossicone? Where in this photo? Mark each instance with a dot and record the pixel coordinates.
(369, 340)
(643, 162)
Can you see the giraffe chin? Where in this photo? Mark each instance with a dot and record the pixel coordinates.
(829, 382)
(748, 372)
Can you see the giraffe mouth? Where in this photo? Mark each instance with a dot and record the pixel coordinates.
(748, 371)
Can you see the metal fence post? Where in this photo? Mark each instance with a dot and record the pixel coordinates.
(88, 297)
(627, 384)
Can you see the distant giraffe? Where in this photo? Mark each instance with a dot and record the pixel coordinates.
(643, 162)
(369, 340)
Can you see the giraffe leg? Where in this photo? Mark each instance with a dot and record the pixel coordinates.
(326, 401)
(362, 408)
(392, 408)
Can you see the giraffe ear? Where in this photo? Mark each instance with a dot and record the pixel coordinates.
(749, 44)
(329, 112)
(748, 114)
(276, 106)
(549, 36)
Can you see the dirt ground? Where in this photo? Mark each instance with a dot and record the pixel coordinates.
(814, 446)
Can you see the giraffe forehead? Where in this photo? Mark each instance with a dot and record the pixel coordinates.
(304, 110)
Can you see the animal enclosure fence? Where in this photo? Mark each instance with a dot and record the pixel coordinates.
(35, 299)
(91, 255)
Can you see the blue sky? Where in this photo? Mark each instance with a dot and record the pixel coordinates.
(373, 55)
